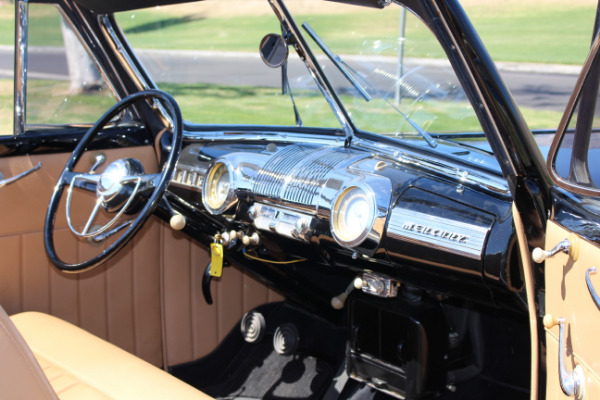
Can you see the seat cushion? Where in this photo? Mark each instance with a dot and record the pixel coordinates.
(80, 365)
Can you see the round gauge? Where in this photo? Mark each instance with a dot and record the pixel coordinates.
(217, 191)
(352, 216)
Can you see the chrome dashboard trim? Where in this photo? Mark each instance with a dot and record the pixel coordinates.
(462, 175)
(442, 233)
(285, 222)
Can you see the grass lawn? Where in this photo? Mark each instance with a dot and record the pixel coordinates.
(214, 104)
(6, 106)
(546, 31)
(525, 31)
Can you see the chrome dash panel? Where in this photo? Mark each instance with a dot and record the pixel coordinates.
(442, 233)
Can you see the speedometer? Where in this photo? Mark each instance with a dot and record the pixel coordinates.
(353, 216)
(218, 191)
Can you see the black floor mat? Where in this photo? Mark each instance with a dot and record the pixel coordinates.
(265, 374)
(237, 369)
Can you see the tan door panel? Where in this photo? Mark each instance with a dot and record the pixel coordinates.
(119, 302)
(151, 290)
(567, 297)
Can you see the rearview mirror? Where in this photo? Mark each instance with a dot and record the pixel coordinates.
(273, 50)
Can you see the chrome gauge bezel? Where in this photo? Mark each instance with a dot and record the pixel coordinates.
(336, 225)
(208, 188)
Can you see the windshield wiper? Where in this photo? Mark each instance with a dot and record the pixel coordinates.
(306, 55)
(350, 74)
(344, 68)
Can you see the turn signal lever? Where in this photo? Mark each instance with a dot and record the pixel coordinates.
(571, 383)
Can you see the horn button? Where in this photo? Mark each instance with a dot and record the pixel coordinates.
(117, 183)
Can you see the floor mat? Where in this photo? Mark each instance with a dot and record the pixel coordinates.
(241, 370)
(265, 374)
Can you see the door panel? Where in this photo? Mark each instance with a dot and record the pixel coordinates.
(567, 297)
(147, 299)
(119, 301)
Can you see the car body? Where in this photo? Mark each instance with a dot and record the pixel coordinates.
(368, 214)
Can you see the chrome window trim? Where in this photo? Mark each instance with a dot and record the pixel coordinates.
(126, 59)
(20, 88)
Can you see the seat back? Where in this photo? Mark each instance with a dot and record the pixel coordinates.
(21, 377)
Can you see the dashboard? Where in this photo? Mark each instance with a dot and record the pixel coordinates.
(402, 215)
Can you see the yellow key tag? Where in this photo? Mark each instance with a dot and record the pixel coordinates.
(216, 258)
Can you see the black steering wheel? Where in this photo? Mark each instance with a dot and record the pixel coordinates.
(123, 187)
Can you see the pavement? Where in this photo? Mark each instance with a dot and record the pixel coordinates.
(539, 86)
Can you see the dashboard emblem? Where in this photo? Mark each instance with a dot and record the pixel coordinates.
(436, 232)
(450, 235)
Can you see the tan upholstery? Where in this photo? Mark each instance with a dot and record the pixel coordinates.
(119, 301)
(81, 366)
(147, 300)
(20, 375)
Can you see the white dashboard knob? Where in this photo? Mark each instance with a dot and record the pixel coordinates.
(177, 222)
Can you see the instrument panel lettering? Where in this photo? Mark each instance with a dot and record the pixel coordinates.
(462, 237)
(441, 233)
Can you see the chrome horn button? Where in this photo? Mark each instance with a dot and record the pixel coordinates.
(117, 182)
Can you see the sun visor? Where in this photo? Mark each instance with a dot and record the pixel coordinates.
(110, 6)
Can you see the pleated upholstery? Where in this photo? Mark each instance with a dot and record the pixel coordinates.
(146, 300)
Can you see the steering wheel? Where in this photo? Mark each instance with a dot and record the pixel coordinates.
(123, 187)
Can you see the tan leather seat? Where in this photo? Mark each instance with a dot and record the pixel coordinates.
(43, 356)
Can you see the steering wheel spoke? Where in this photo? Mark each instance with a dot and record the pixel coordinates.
(123, 188)
(149, 182)
(90, 221)
(79, 180)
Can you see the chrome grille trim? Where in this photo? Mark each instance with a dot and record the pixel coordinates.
(298, 172)
(309, 176)
(273, 174)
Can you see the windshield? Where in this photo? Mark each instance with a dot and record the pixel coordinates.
(209, 50)
(384, 72)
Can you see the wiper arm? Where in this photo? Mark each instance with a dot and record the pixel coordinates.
(426, 135)
(286, 88)
(309, 59)
(337, 61)
(351, 75)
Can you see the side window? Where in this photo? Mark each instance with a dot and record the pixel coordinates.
(575, 153)
(7, 34)
(578, 157)
(64, 86)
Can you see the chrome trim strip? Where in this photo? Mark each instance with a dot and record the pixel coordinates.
(442, 233)
(260, 136)
(590, 286)
(448, 169)
(479, 179)
(126, 60)
(20, 89)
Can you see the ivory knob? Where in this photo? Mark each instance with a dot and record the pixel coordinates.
(177, 222)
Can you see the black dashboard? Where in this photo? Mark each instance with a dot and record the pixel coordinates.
(406, 217)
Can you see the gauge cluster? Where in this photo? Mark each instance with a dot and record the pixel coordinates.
(289, 190)
(350, 201)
